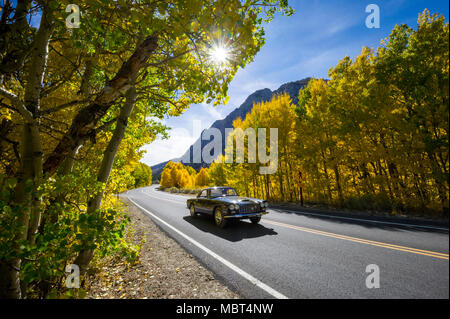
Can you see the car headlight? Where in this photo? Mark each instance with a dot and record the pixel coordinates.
(233, 207)
(266, 204)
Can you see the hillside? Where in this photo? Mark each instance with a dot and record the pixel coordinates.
(263, 95)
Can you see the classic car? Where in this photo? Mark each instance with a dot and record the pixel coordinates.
(224, 204)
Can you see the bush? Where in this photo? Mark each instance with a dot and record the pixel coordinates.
(65, 229)
(173, 190)
(376, 202)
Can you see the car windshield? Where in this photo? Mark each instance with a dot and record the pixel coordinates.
(218, 192)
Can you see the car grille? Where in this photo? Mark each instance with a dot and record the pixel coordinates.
(248, 208)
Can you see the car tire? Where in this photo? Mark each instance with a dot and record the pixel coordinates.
(219, 218)
(192, 211)
(255, 220)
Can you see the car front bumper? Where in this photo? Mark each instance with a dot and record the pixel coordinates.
(249, 215)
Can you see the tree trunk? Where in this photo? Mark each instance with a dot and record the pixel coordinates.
(338, 184)
(327, 178)
(86, 120)
(31, 165)
(13, 39)
(85, 256)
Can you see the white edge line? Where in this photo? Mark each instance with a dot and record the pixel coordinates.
(364, 220)
(230, 265)
(327, 216)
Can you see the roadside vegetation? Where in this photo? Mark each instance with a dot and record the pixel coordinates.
(77, 105)
(373, 137)
(164, 269)
(178, 178)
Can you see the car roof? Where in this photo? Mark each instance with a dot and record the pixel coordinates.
(216, 187)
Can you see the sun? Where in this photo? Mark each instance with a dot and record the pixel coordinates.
(219, 54)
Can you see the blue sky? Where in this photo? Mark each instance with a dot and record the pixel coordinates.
(307, 44)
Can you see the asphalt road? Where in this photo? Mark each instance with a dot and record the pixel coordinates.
(295, 255)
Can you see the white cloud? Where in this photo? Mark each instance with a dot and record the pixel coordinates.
(212, 111)
(184, 132)
(304, 45)
(318, 65)
(163, 150)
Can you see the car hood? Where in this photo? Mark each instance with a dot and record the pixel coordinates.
(238, 200)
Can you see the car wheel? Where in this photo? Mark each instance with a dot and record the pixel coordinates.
(219, 218)
(255, 220)
(192, 211)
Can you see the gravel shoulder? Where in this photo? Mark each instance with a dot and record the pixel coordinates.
(164, 269)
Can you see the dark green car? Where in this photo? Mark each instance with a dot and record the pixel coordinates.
(224, 204)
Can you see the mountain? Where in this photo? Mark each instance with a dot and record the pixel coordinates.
(264, 95)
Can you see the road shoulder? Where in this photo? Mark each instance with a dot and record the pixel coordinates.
(369, 216)
(164, 270)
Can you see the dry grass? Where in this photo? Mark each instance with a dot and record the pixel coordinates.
(164, 269)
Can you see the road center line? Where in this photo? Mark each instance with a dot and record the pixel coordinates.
(360, 240)
(338, 236)
(330, 216)
(227, 263)
(170, 200)
(153, 190)
(365, 220)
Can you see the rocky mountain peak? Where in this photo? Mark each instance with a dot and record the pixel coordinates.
(263, 95)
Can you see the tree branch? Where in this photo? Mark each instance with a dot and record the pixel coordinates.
(14, 146)
(62, 107)
(87, 118)
(28, 117)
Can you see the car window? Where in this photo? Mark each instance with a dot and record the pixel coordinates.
(203, 193)
(218, 192)
(230, 192)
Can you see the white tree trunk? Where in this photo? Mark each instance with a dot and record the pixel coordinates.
(85, 256)
(31, 155)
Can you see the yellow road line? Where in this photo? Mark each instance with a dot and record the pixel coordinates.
(362, 241)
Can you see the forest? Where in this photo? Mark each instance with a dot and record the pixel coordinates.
(372, 137)
(179, 176)
(76, 106)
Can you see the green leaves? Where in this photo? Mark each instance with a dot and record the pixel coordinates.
(81, 64)
(11, 183)
(375, 136)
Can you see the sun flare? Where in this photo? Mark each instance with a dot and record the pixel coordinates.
(219, 54)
